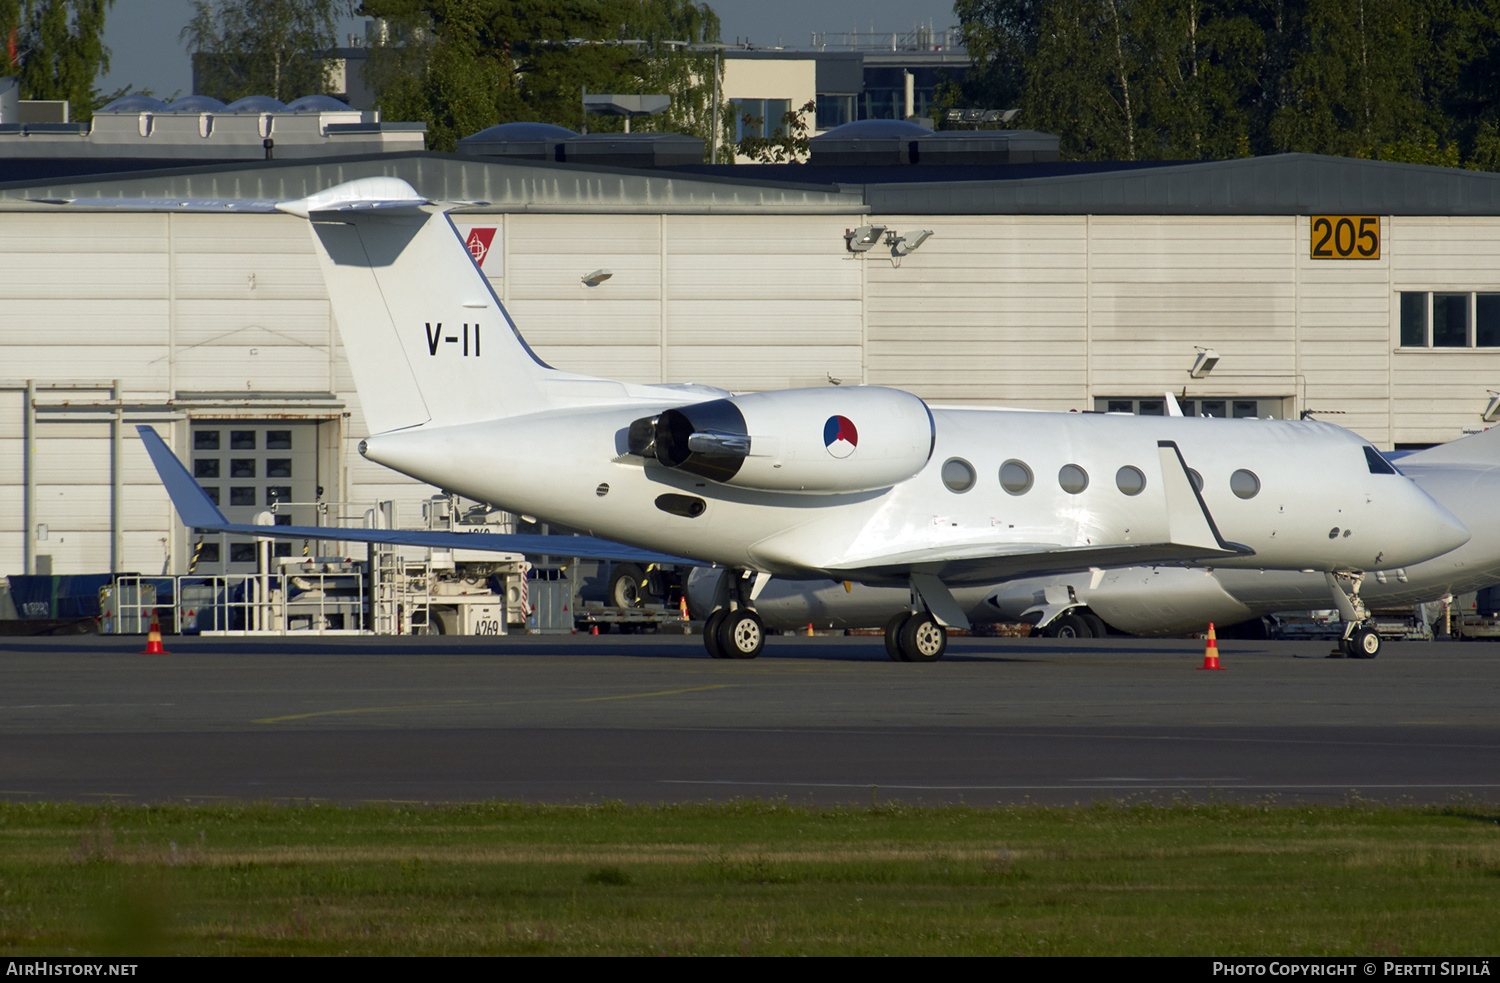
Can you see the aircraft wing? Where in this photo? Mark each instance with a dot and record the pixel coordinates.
(1193, 531)
(988, 564)
(198, 511)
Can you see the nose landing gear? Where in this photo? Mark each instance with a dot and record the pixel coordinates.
(1360, 640)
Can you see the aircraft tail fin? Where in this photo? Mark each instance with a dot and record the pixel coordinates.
(426, 337)
(1478, 449)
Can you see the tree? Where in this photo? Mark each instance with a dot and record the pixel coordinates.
(1083, 81)
(1355, 83)
(56, 49)
(1410, 80)
(1201, 58)
(789, 143)
(463, 65)
(263, 47)
(440, 63)
(1000, 36)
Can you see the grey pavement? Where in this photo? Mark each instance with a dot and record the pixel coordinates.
(828, 719)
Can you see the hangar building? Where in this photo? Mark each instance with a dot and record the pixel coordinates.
(1365, 293)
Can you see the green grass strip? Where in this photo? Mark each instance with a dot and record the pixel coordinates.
(749, 877)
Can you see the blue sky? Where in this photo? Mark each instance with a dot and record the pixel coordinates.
(145, 51)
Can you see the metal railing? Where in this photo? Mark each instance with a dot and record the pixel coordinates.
(322, 597)
(919, 39)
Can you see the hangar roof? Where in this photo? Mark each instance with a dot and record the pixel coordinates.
(506, 186)
(1286, 184)
(1289, 184)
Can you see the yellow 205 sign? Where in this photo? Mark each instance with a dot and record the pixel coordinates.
(1346, 237)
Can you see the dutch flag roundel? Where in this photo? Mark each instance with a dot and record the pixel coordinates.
(840, 437)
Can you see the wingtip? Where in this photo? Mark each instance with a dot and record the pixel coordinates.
(191, 502)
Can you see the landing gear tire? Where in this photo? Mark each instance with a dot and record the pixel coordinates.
(923, 639)
(628, 587)
(741, 635)
(1096, 624)
(711, 634)
(1068, 626)
(893, 636)
(1364, 643)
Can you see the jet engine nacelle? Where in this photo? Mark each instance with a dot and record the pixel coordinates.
(798, 440)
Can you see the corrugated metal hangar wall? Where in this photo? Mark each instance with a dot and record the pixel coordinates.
(217, 328)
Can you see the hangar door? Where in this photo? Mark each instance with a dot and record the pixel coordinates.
(248, 467)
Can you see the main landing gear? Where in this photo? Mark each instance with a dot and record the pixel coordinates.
(738, 634)
(733, 630)
(915, 637)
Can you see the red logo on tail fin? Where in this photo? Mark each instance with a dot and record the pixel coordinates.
(479, 243)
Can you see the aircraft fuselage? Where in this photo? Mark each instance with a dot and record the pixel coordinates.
(1313, 500)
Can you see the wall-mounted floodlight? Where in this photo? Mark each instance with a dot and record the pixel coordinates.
(860, 240)
(597, 277)
(1205, 362)
(976, 115)
(907, 244)
(1491, 413)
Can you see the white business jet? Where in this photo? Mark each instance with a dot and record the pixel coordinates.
(1463, 476)
(864, 484)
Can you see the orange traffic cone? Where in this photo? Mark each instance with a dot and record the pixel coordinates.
(809, 630)
(683, 607)
(153, 638)
(594, 630)
(1211, 650)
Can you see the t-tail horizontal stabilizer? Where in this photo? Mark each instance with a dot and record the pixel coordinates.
(198, 511)
(361, 194)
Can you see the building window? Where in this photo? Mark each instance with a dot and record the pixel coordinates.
(1450, 320)
(1263, 407)
(834, 110)
(765, 117)
(266, 463)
